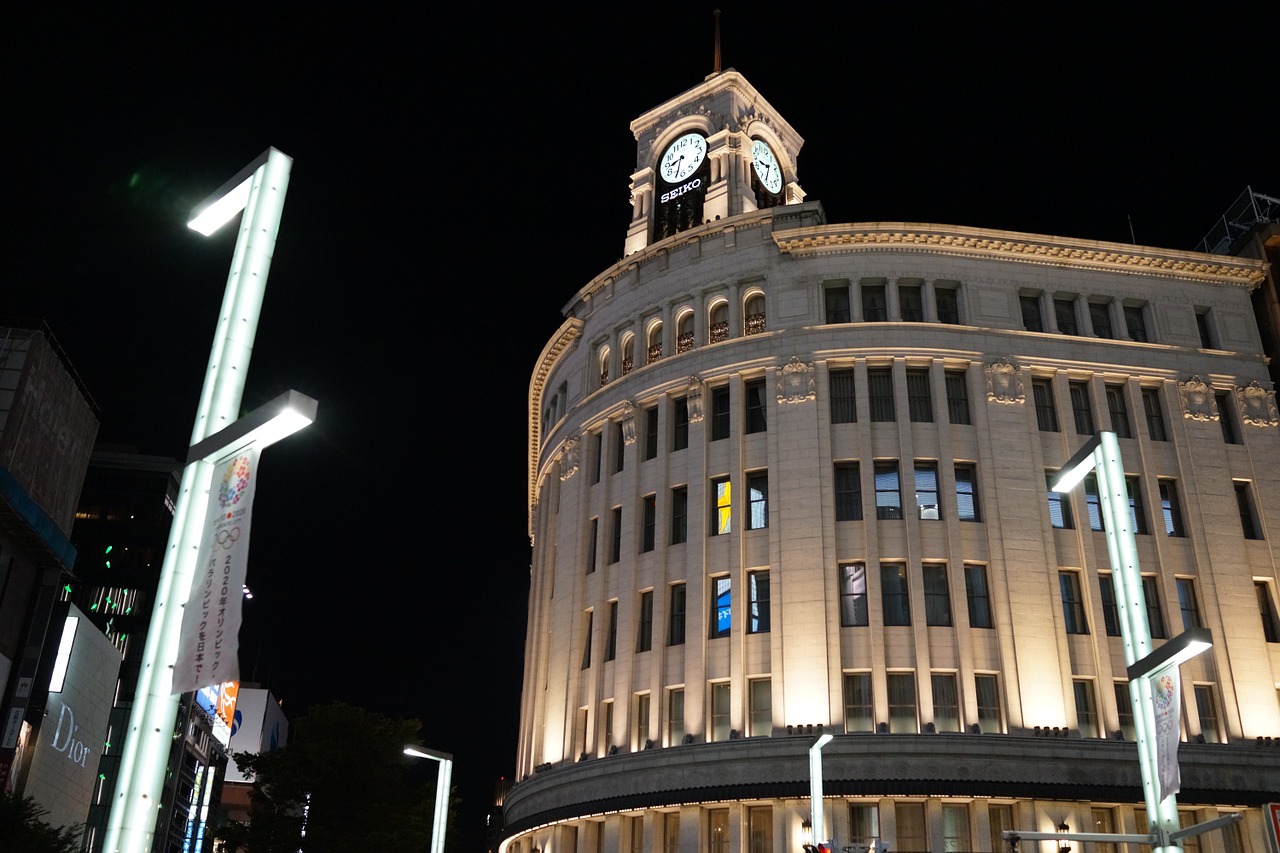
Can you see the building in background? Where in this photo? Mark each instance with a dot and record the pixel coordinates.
(790, 477)
(259, 725)
(48, 422)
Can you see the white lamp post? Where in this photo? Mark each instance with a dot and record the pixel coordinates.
(443, 777)
(815, 789)
(258, 190)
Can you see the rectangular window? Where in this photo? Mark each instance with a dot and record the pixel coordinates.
(760, 828)
(1000, 816)
(864, 823)
(1188, 604)
(1118, 411)
(1059, 506)
(1100, 318)
(895, 597)
(888, 494)
(910, 303)
(760, 707)
(948, 301)
(758, 612)
(721, 616)
(680, 424)
(927, 503)
(718, 828)
(1207, 708)
(1086, 708)
(619, 448)
(1072, 603)
(1155, 617)
(1080, 408)
(757, 500)
(1135, 322)
(979, 596)
(679, 514)
(880, 394)
(676, 616)
(859, 710)
(586, 639)
(957, 397)
(919, 399)
(1267, 611)
(644, 634)
(946, 702)
(615, 543)
(719, 413)
(1032, 319)
(902, 714)
(675, 717)
(1170, 510)
(753, 391)
(955, 827)
(937, 597)
(650, 504)
(835, 298)
(1205, 328)
(874, 307)
(1110, 613)
(596, 443)
(1249, 525)
(671, 832)
(1154, 413)
(848, 492)
(642, 740)
(853, 595)
(840, 383)
(593, 537)
(1092, 503)
(987, 691)
(650, 432)
(967, 508)
(611, 642)
(913, 832)
(1124, 711)
(1227, 416)
(1103, 821)
(1137, 512)
(1046, 411)
(721, 506)
(1064, 311)
(721, 716)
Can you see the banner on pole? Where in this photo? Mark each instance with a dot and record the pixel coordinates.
(1166, 693)
(209, 648)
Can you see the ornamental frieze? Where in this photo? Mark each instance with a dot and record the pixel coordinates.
(796, 382)
(1004, 382)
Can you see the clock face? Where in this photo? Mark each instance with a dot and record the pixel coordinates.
(682, 158)
(766, 166)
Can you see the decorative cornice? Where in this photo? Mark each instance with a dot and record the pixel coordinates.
(563, 340)
(1021, 248)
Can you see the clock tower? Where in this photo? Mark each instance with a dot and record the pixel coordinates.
(715, 151)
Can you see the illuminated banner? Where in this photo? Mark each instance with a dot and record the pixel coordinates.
(1166, 691)
(209, 648)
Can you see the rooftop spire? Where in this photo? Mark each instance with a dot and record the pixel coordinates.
(716, 70)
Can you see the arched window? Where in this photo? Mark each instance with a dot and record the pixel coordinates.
(655, 342)
(755, 314)
(719, 327)
(684, 332)
(628, 353)
(604, 366)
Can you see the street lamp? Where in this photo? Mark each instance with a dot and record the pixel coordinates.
(1101, 454)
(258, 190)
(443, 776)
(815, 788)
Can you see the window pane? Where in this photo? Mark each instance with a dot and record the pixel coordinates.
(902, 711)
(859, 711)
(758, 500)
(721, 609)
(722, 509)
(759, 614)
(1032, 320)
(888, 497)
(987, 688)
(1046, 411)
(720, 711)
(848, 492)
(880, 394)
(853, 595)
(927, 489)
(967, 493)
(874, 307)
(1086, 709)
(937, 598)
(754, 393)
(1059, 508)
(946, 702)
(919, 400)
(975, 578)
(1072, 603)
(957, 397)
(893, 587)
(761, 707)
(843, 410)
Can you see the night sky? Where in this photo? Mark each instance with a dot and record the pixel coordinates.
(457, 177)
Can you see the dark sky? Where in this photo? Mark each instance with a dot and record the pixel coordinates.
(458, 176)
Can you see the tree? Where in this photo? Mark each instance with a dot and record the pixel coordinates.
(22, 828)
(344, 779)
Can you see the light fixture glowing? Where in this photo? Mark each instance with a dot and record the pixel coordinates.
(442, 792)
(63, 660)
(1077, 467)
(1064, 843)
(262, 427)
(1177, 651)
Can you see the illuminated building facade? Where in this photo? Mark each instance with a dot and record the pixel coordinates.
(788, 477)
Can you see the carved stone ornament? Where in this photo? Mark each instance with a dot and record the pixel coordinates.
(1197, 400)
(694, 398)
(1004, 382)
(628, 423)
(569, 462)
(796, 382)
(1259, 406)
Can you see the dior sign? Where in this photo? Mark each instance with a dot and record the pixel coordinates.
(65, 740)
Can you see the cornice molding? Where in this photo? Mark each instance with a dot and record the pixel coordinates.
(559, 344)
(1021, 248)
